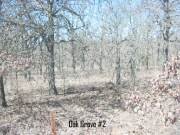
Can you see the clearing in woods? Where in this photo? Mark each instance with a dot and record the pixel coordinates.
(124, 109)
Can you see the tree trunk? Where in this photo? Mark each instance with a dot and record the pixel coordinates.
(158, 54)
(147, 62)
(40, 62)
(83, 60)
(118, 66)
(2, 93)
(51, 73)
(50, 48)
(59, 58)
(133, 72)
(118, 71)
(101, 61)
(147, 57)
(166, 34)
(27, 75)
(73, 56)
(167, 52)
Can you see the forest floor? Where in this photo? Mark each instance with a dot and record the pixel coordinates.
(125, 110)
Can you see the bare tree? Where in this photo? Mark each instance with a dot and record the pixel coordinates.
(55, 15)
(2, 92)
(167, 25)
(166, 15)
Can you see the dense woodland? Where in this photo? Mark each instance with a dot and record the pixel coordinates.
(51, 48)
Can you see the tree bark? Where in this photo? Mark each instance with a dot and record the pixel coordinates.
(83, 65)
(73, 49)
(158, 53)
(147, 62)
(118, 66)
(51, 73)
(101, 60)
(132, 69)
(40, 62)
(166, 34)
(2, 92)
(118, 71)
(50, 49)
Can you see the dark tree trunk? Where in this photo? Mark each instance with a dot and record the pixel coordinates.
(40, 70)
(51, 73)
(73, 56)
(147, 57)
(118, 71)
(41, 59)
(83, 61)
(101, 62)
(27, 75)
(118, 66)
(158, 53)
(167, 52)
(59, 59)
(50, 48)
(2, 93)
(132, 68)
(147, 62)
(166, 34)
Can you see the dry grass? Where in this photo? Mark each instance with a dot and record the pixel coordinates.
(32, 111)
